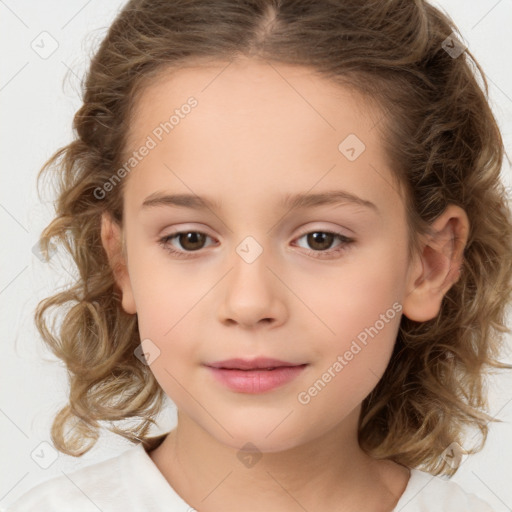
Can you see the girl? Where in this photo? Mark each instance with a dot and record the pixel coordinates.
(288, 218)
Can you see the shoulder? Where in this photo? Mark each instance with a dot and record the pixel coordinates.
(426, 493)
(99, 486)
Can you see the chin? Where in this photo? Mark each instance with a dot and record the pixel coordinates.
(251, 438)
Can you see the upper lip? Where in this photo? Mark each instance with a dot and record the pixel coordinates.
(251, 364)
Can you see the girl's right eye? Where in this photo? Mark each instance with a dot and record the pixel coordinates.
(197, 240)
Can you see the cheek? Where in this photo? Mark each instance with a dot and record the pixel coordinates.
(165, 291)
(169, 318)
(360, 310)
(355, 294)
(353, 359)
(164, 318)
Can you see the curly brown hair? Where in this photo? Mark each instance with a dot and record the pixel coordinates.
(443, 144)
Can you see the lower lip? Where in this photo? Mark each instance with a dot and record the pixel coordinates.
(256, 381)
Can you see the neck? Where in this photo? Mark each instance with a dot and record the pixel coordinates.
(331, 472)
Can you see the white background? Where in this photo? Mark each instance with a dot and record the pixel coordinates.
(37, 109)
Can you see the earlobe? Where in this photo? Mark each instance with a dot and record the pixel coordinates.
(111, 238)
(437, 268)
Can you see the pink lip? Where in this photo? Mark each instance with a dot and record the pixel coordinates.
(251, 364)
(257, 379)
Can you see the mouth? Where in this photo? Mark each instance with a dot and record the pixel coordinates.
(255, 376)
(260, 363)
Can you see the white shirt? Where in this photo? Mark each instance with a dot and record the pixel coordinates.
(132, 482)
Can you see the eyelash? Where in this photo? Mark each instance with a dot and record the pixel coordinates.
(345, 242)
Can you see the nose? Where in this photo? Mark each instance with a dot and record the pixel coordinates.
(252, 295)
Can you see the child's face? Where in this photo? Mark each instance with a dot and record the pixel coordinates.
(258, 135)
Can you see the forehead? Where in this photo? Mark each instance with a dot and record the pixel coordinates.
(257, 126)
(242, 86)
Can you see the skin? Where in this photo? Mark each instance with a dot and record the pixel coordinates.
(253, 138)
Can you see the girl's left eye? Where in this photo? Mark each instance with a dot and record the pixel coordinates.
(195, 240)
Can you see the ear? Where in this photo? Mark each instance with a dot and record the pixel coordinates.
(437, 267)
(111, 238)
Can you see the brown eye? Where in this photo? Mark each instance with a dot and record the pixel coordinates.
(320, 243)
(320, 240)
(191, 240)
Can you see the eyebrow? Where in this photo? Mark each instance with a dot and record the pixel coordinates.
(291, 201)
